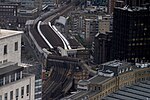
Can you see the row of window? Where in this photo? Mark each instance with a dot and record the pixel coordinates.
(10, 78)
(16, 94)
(105, 93)
(125, 70)
(5, 48)
(7, 10)
(6, 6)
(7, 14)
(4, 61)
(136, 44)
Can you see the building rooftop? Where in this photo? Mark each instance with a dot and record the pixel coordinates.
(9, 67)
(116, 63)
(7, 33)
(135, 8)
(98, 79)
(62, 20)
(8, 4)
(83, 82)
(116, 66)
(79, 95)
(138, 91)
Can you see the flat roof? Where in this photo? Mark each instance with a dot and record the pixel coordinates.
(7, 33)
(117, 63)
(97, 79)
(9, 67)
(80, 95)
(62, 20)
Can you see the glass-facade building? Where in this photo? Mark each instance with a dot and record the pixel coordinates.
(131, 34)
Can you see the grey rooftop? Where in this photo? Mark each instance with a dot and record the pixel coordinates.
(9, 67)
(138, 91)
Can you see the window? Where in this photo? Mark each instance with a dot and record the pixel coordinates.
(6, 79)
(27, 90)
(5, 49)
(17, 94)
(22, 92)
(5, 98)
(16, 46)
(18, 75)
(0, 97)
(12, 77)
(1, 81)
(4, 61)
(11, 95)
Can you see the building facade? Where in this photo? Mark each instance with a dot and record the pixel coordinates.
(10, 46)
(105, 23)
(14, 84)
(111, 5)
(131, 34)
(112, 76)
(101, 48)
(8, 15)
(136, 2)
(91, 29)
(15, 13)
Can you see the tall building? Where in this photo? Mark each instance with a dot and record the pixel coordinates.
(85, 25)
(91, 29)
(8, 15)
(10, 46)
(111, 5)
(131, 38)
(14, 85)
(101, 49)
(104, 24)
(102, 41)
(99, 53)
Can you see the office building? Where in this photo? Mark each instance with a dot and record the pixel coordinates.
(15, 13)
(10, 46)
(104, 23)
(101, 48)
(91, 29)
(14, 85)
(8, 15)
(131, 39)
(111, 5)
(25, 3)
(85, 25)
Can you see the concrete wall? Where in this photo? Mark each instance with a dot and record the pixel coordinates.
(12, 55)
(30, 80)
